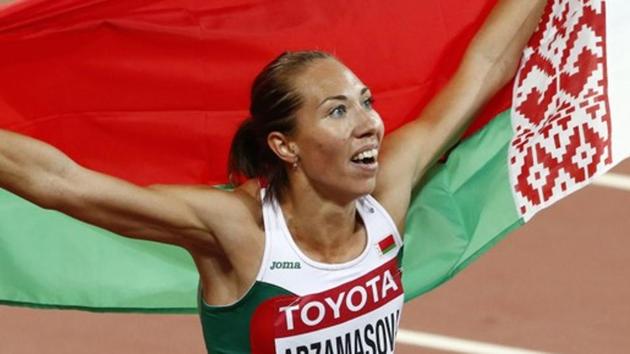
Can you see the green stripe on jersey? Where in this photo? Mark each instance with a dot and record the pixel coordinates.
(226, 328)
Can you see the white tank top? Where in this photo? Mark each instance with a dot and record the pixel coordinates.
(351, 307)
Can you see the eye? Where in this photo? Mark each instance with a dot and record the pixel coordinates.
(368, 103)
(338, 111)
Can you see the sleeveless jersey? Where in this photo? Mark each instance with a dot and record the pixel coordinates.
(300, 306)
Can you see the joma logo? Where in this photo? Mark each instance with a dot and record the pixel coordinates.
(285, 265)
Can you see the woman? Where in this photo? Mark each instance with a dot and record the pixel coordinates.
(303, 254)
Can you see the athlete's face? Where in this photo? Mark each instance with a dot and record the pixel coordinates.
(338, 133)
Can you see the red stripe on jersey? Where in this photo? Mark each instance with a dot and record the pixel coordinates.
(298, 315)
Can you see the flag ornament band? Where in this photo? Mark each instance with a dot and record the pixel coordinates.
(560, 115)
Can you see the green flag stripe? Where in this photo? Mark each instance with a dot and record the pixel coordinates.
(50, 260)
(465, 207)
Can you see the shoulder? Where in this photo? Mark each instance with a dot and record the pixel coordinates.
(395, 199)
(235, 218)
(229, 213)
(237, 214)
(394, 204)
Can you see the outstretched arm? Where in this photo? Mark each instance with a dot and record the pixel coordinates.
(489, 63)
(44, 175)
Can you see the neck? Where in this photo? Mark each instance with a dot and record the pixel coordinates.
(326, 230)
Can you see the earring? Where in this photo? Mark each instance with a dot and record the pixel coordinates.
(296, 163)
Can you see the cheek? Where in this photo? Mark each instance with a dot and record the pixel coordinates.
(329, 150)
(325, 148)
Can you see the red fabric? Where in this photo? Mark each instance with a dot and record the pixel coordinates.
(152, 91)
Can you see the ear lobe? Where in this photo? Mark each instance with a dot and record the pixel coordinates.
(282, 147)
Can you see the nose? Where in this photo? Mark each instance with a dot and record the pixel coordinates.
(368, 124)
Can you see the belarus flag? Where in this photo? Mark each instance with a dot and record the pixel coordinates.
(152, 91)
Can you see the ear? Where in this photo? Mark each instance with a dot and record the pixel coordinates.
(283, 147)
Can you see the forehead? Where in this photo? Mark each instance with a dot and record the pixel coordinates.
(327, 77)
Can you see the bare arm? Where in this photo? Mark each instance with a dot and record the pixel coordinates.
(489, 63)
(44, 175)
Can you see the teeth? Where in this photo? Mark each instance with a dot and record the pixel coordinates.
(372, 153)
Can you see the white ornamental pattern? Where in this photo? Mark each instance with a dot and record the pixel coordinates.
(560, 114)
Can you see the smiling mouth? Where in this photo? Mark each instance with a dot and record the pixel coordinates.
(368, 157)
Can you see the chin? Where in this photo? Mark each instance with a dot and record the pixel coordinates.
(348, 189)
(363, 188)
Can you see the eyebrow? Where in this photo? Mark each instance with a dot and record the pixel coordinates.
(341, 97)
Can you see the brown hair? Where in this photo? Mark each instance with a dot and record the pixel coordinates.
(274, 102)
